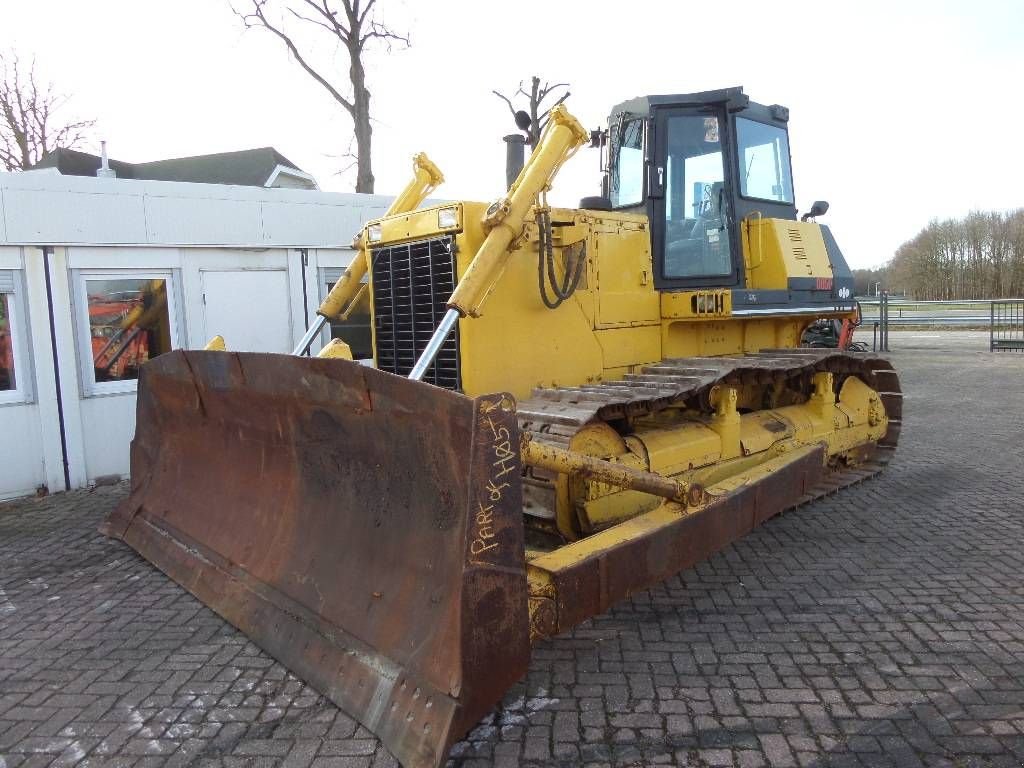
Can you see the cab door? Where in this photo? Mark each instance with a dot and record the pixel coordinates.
(693, 233)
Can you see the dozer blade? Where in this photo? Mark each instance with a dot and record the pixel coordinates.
(364, 529)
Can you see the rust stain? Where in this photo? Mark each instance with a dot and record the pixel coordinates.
(363, 529)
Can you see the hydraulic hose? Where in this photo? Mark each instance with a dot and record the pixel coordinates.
(546, 264)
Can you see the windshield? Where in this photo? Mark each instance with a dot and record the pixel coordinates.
(764, 161)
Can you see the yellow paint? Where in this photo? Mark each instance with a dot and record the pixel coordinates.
(336, 349)
(726, 420)
(425, 179)
(671, 449)
(419, 225)
(705, 338)
(777, 249)
(615, 474)
(707, 450)
(621, 255)
(216, 344)
(505, 219)
(766, 335)
(517, 344)
(615, 323)
(696, 305)
(666, 513)
(630, 346)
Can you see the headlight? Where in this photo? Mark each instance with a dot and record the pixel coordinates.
(447, 218)
(373, 233)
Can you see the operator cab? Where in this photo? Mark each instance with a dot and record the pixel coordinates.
(697, 165)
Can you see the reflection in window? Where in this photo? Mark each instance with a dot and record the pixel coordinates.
(128, 325)
(627, 178)
(696, 210)
(764, 161)
(7, 379)
(355, 329)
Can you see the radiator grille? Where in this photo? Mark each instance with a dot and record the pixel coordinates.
(411, 283)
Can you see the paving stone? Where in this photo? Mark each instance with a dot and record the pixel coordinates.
(880, 626)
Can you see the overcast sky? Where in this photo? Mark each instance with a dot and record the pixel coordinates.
(900, 111)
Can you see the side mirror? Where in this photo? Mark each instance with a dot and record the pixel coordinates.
(819, 208)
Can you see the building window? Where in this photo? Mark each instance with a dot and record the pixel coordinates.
(128, 321)
(8, 374)
(355, 330)
(14, 377)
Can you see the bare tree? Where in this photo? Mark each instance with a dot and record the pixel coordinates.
(30, 125)
(536, 110)
(979, 256)
(350, 23)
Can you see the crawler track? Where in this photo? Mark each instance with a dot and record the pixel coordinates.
(556, 414)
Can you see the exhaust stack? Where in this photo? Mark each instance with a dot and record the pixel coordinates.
(515, 157)
(105, 171)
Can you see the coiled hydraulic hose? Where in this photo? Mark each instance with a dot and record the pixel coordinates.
(546, 266)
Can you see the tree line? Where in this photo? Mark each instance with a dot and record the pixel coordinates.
(979, 256)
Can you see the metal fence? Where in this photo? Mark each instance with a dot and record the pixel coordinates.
(959, 314)
(880, 332)
(1006, 325)
(1003, 317)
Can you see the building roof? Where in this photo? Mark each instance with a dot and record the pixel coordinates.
(71, 162)
(47, 208)
(247, 167)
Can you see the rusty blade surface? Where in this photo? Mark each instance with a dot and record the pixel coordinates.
(365, 530)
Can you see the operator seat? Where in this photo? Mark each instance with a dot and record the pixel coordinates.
(692, 255)
(710, 212)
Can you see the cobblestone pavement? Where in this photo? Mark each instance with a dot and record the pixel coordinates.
(881, 626)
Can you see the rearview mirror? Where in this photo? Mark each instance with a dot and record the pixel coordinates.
(818, 208)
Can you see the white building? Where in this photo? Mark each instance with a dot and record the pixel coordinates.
(79, 255)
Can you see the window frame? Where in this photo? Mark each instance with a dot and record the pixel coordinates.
(325, 281)
(83, 336)
(615, 148)
(658, 204)
(739, 163)
(691, 161)
(17, 319)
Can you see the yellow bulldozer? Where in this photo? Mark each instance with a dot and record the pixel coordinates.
(566, 406)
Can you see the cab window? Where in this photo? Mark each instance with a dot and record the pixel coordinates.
(696, 232)
(627, 177)
(764, 161)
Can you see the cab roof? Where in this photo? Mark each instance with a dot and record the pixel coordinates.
(734, 100)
